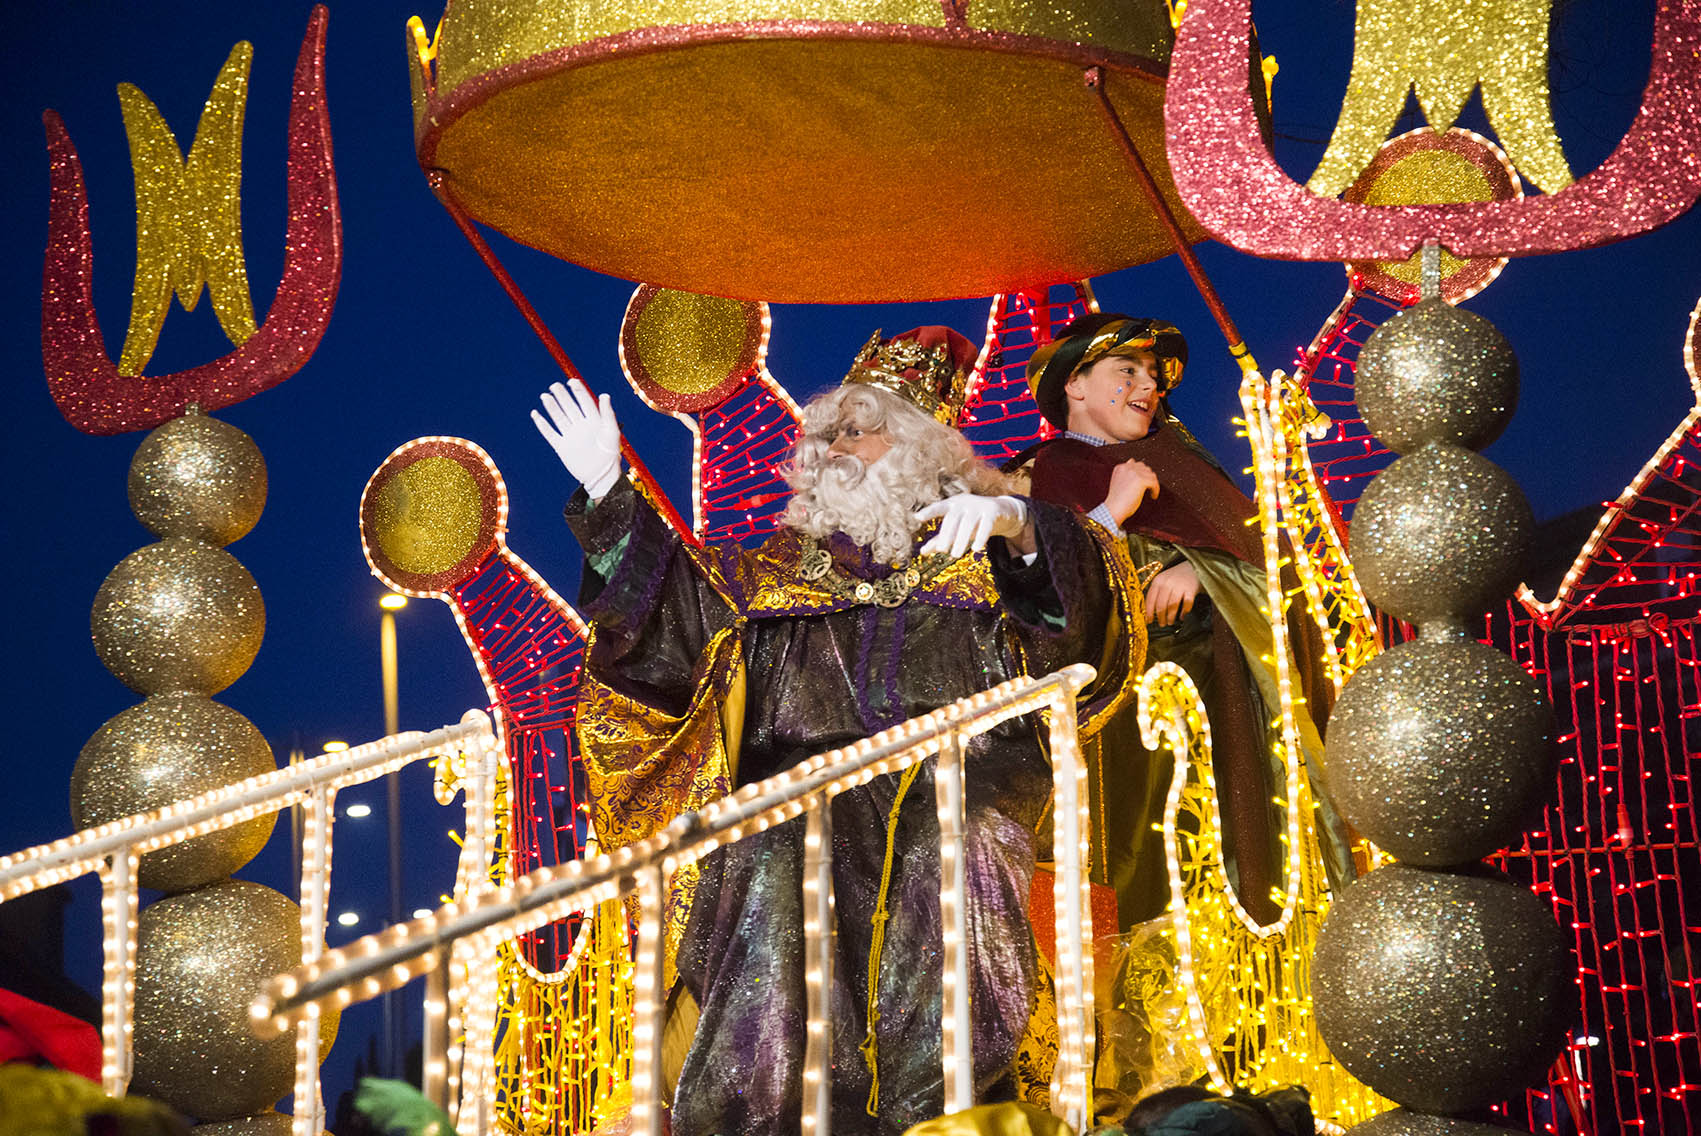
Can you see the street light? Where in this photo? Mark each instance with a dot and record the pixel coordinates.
(389, 604)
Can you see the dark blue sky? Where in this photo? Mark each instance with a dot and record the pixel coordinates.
(423, 342)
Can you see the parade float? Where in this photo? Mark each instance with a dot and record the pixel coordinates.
(1431, 984)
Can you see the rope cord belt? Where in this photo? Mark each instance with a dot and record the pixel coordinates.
(870, 1044)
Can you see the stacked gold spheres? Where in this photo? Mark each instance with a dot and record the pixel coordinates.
(178, 621)
(1440, 984)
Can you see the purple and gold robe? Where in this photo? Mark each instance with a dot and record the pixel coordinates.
(712, 668)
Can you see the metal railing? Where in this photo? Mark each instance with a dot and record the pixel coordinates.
(114, 850)
(460, 939)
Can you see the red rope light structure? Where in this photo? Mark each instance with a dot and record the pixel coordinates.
(1348, 455)
(999, 416)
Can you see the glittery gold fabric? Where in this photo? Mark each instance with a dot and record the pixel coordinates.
(1135, 26)
(427, 515)
(1444, 49)
(794, 158)
(769, 577)
(644, 767)
(688, 352)
(1010, 1118)
(200, 959)
(188, 213)
(481, 35)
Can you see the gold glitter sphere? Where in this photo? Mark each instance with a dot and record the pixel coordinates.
(201, 959)
(170, 747)
(270, 1123)
(1440, 533)
(1435, 373)
(180, 615)
(1443, 991)
(1405, 1122)
(198, 477)
(1440, 751)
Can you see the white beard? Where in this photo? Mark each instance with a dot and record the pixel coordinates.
(866, 503)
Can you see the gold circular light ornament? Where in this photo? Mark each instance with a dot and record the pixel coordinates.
(431, 514)
(685, 352)
(826, 151)
(1423, 167)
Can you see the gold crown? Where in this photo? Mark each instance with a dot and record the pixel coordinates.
(926, 377)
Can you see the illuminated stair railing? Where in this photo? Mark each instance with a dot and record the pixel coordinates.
(114, 850)
(454, 947)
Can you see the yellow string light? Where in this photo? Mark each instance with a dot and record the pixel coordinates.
(1247, 986)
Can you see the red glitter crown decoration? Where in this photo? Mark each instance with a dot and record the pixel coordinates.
(81, 376)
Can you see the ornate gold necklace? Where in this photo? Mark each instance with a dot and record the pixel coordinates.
(818, 568)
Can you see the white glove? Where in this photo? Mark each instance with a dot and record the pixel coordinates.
(584, 436)
(967, 520)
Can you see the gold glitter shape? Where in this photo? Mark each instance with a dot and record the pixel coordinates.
(188, 213)
(480, 35)
(691, 344)
(427, 516)
(1443, 49)
(1141, 27)
(1428, 177)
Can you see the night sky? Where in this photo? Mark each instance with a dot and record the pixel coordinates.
(423, 342)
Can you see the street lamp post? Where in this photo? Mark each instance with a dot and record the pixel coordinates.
(389, 604)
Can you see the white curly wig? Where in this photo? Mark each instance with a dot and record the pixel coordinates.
(874, 504)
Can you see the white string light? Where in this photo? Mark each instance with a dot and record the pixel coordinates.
(956, 1031)
(1543, 610)
(113, 850)
(818, 941)
(388, 959)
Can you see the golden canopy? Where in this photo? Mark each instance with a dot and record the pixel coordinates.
(822, 150)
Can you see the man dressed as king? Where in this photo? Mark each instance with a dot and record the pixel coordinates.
(904, 576)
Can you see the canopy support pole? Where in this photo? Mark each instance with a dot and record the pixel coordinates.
(556, 352)
(1095, 82)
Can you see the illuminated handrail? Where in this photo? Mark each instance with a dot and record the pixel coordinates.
(114, 850)
(461, 936)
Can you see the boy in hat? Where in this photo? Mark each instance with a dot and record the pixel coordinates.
(1127, 464)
